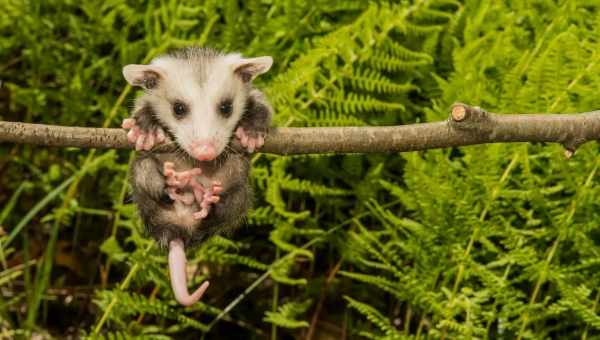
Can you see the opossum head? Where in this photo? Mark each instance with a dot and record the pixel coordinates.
(198, 95)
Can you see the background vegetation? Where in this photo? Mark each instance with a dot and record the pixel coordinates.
(493, 241)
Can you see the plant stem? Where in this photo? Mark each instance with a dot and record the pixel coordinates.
(124, 284)
(550, 256)
(275, 299)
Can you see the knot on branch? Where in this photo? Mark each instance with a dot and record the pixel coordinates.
(466, 117)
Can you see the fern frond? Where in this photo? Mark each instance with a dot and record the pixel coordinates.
(306, 186)
(287, 314)
(378, 281)
(576, 300)
(132, 304)
(327, 117)
(359, 103)
(386, 62)
(417, 30)
(373, 315)
(280, 272)
(262, 215)
(399, 51)
(281, 236)
(119, 335)
(373, 81)
(460, 329)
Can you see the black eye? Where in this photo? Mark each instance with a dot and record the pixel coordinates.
(226, 108)
(179, 109)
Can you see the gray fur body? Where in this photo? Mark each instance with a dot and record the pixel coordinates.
(166, 219)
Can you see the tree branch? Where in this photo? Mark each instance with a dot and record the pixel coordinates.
(466, 125)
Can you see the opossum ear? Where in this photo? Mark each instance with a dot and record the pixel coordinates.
(250, 68)
(146, 76)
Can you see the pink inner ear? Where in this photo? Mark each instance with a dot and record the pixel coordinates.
(245, 74)
(250, 68)
(143, 75)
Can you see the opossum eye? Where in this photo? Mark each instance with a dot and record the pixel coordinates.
(179, 109)
(226, 108)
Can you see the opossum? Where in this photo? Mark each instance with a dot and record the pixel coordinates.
(204, 101)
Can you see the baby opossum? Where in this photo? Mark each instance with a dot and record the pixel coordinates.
(203, 100)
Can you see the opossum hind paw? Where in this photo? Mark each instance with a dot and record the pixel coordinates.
(206, 197)
(181, 183)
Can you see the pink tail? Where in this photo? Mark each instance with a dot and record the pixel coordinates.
(177, 272)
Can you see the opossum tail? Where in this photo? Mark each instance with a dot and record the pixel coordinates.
(178, 274)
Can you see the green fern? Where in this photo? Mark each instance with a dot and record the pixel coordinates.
(492, 241)
(287, 314)
(374, 316)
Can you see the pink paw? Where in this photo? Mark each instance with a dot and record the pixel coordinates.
(143, 139)
(251, 141)
(206, 197)
(179, 181)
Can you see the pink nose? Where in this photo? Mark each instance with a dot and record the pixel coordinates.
(203, 150)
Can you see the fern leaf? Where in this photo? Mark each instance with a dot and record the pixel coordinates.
(287, 314)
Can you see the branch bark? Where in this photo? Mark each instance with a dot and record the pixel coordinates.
(466, 125)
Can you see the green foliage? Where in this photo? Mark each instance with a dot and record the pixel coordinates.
(492, 241)
(286, 314)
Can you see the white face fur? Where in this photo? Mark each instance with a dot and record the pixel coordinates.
(199, 99)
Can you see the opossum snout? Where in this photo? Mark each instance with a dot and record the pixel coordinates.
(203, 150)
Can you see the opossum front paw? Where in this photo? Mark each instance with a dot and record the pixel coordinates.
(251, 140)
(206, 197)
(143, 139)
